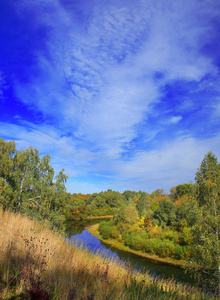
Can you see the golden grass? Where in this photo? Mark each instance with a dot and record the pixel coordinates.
(36, 263)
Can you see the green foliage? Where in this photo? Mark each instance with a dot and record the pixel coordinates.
(155, 232)
(7, 153)
(208, 181)
(162, 248)
(154, 205)
(129, 195)
(181, 189)
(108, 230)
(171, 235)
(142, 204)
(186, 234)
(206, 247)
(157, 193)
(27, 184)
(104, 203)
(134, 241)
(187, 210)
(7, 198)
(165, 213)
(126, 214)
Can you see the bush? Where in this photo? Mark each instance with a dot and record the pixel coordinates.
(122, 227)
(155, 232)
(165, 248)
(170, 235)
(108, 230)
(115, 234)
(106, 233)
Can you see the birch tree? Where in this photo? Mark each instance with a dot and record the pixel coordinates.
(205, 253)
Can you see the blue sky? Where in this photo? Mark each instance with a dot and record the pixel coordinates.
(122, 94)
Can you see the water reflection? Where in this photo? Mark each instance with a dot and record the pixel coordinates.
(93, 244)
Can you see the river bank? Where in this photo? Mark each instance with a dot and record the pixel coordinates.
(99, 217)
(90, 218)
(93, 229)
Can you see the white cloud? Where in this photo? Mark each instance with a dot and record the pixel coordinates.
(98, 83)
(176, 162)
(176, 119)
(101, 81)
(46, 139)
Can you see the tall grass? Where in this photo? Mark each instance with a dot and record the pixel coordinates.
(36, 263)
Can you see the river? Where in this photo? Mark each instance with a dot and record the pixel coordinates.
(77, 233)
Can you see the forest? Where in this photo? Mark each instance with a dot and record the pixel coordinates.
(182, 225)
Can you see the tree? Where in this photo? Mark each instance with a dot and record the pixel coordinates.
(25, 173)
(126, 214)
(206, 251)
(129, 195)
(113, 199)
(180, 190)
(186, 210)
(61, 179)
(142, 203)
(7, 153)
(7, 199)
(165, 213)
(27, 184)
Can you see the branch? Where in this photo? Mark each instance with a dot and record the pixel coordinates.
(27, 216)
(208, 225)
(208, 273)
(32, 199)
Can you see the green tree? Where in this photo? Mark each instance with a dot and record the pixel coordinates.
(154, 205)
(180, 190)
(142, 204)
(27, 184)
(187, 210)
(206, 252)
(165, 213)
(7, 153)
(7, 198)
(25, 173)
(126, 214)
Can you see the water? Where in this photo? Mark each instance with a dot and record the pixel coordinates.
(78, 234)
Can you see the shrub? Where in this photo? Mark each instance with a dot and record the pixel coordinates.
(108, 230)
(155, 232)
(106, 233)
(122, 227)
(170, 235)
(165, 248)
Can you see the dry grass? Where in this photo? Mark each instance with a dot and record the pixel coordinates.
(36, 263)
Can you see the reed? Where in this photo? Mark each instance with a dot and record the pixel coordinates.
(36, 263)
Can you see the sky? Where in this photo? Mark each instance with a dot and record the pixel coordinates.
(123, 95)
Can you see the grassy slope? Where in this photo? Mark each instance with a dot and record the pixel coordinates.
(35, 263)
